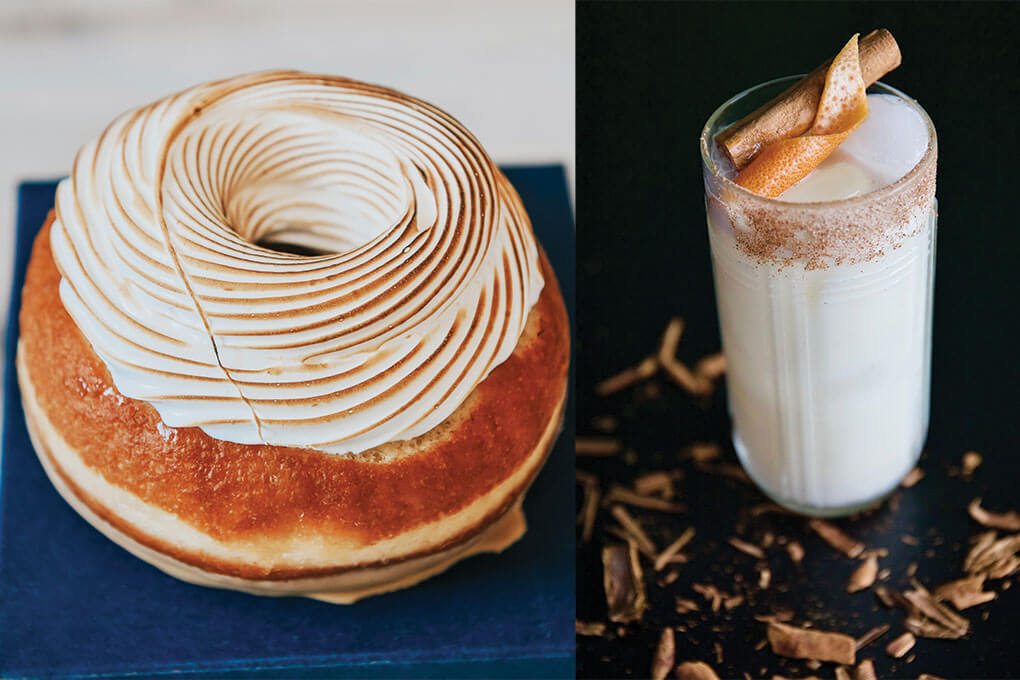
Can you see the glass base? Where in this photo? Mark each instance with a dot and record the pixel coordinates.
(810, 510)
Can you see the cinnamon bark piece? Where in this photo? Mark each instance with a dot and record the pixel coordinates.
(803, 643)
(792, 112)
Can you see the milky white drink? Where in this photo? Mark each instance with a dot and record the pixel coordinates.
(824, 299)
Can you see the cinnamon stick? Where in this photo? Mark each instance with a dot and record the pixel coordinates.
(792, 112)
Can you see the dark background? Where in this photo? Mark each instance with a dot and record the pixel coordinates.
(648, 76)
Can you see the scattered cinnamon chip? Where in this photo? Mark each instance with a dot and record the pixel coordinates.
(655, 483)
(872, 635)
(864, 575)
(927, 614)
(620, 494)
(976, 557)
(695, 670)
(985, 552)
(907, 539)
(673, 548)
(702, 452)
(832, 535)
(633, 529)
(928, 617)
(885, 596)
(912, 478)
(928, 676)
(965, 592)
(1003, 568)
(623, 582)
(733, 601)
(899, 647)
(779, 615)
(865, 670)
(911, 569)
(626, 537)
(927, 628)
(686, 379)
(802, 643)
(685, 606)
(1007, 521)
(711, 594)
(971, 461)
(630, 376)
(711, 367)
(670, 340)
(597, 446)
(594, 629)
(665, 655)
(590, 505)
(747, 548)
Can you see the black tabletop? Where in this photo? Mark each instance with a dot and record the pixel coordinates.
(648, 77)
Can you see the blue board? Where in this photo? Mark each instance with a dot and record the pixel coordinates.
(73, 604)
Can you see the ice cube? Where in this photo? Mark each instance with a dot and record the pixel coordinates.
(838, 177)
(891, 141)
(887, 145)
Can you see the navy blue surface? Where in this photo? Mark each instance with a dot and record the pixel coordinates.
(72, 603)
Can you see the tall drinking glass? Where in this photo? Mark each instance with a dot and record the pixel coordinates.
(825, 312)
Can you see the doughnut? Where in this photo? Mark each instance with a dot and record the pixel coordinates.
(292, 334)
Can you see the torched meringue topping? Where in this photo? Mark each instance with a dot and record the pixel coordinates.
(428, 274)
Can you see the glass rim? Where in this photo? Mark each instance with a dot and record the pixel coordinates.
(708, 162)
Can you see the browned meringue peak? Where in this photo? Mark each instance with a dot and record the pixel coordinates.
(429, 273)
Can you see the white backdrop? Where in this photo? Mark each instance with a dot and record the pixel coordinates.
(504, 69)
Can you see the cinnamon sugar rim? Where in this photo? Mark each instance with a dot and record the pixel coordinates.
(882, 192)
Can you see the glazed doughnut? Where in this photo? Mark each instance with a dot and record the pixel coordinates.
(292, 334)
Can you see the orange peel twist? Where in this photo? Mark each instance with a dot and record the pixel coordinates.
(841, 109)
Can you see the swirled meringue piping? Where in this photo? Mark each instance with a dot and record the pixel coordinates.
(428, 274)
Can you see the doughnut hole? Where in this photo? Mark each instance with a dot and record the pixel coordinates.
(314, 190)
